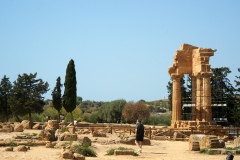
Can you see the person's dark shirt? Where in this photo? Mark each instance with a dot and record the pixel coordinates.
(140, 129)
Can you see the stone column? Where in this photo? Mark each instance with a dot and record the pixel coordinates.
(207, 97)
(193, 97)
(176, 98)
(199, 98)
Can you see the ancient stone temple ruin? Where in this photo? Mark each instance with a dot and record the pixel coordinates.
(193, 61)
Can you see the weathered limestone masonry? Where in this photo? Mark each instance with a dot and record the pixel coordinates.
(194, 61)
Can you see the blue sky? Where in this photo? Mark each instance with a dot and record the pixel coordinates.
(121, 49)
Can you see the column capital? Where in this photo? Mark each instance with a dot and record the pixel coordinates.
(206, 74)
(192, 75)
(176, 76)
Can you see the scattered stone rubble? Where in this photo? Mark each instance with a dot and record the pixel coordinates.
(200, 141)
(99, 134)
(52, 137)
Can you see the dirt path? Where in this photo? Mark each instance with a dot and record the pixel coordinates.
(158, 150)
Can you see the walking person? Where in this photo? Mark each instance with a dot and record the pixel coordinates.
(139, 135)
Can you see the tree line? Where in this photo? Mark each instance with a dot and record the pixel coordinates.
(119, 111)
(25, 97)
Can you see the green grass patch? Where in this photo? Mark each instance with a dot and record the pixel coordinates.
(231, 148)
(85, 144)
(210, 152)
(204, 150)
(64, 129)
(34, 134)
(12, 144)
(31, 144)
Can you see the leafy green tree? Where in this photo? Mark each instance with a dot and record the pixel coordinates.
(151, 108)
(237, 85)
(26, 95)
(236, 109)
(5, 88)
(92, 118)
(222, 93)
(162, 119)
(169, 90)
(112, 111)
(76, 113)
(50, 111)
(57, 96)
(79, 100)
(186, 89)
(70, 92)
(116, 109)
(221, 86)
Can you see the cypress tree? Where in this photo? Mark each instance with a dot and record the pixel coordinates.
(56, 96)
(5, 88)
(70, 91)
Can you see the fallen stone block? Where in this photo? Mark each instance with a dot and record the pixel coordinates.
(237, 142)
(51, 144)
(9, 149)
(66, 154)
(22, 148)
(98, 134)
(36, 126)
(18, 128)
(124, 152)
(70, 137)
(78, 156)
(26, 124)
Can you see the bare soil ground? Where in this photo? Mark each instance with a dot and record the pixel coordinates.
(158, 150)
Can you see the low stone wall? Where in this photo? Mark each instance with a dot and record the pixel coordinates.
(124, 152)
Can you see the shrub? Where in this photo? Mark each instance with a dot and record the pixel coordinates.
(50, 111)
(207, 151)
(31, 144)
(37, 117)
(77, 114)
(13, 144)
(162, 119)
(232, 148)
(92, 118)
(64, 129)
(85, 144)
(210, 152)
(86, 151)
(203, 150)
(34, 134)
(110, 151)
